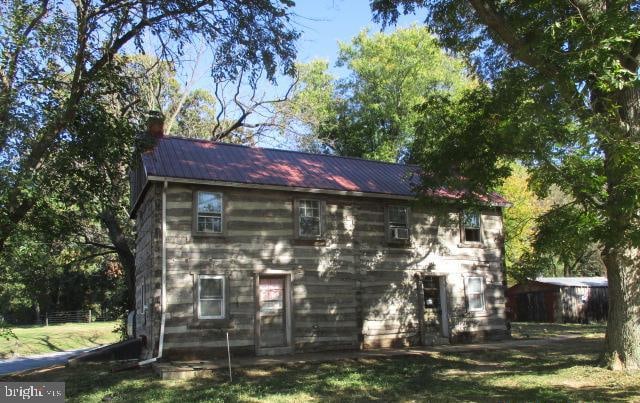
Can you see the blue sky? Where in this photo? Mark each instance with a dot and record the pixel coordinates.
(325, 22)
(322, 24)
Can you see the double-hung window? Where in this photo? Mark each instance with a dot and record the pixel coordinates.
(471, 226)
(211, 297)
(208, 212)
(309, 218)
(475, 293)
(398, 223)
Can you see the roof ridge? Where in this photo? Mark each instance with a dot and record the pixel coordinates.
(288, 151)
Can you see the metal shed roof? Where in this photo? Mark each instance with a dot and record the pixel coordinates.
(574, 281)
(176, 157)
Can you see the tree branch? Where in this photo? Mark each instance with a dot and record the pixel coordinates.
(185, 93)
(12, 68)
(90, 256)
(99, 245)
(248, 110)
(519, 48)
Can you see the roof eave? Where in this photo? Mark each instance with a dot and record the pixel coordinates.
(157, 178)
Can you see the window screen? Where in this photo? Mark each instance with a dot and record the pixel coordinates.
(209, 213)
(398, 218)
(309, 223)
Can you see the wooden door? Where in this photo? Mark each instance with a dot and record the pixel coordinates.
(272, 309)
(436, 315)
(432, 307)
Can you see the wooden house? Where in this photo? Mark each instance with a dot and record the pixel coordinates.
(289, 251)
(559, 299)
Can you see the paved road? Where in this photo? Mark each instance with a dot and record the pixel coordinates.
(37, 361)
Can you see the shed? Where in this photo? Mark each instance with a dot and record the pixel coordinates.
(559, 299)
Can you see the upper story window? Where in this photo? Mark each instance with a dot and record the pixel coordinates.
(211, 296)
(471, 226)
(309, 218)
(208, 212)
(398, 223)
(475, 293)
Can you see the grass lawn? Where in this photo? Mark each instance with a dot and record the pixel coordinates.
(526, 330)
(47, 339)
(560, 371)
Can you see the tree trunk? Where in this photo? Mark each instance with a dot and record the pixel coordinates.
(620, 254)
(125, 254)
(622, 347)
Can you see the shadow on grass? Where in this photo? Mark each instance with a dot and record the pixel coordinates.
(565, 371)
(535, 330)
(46, 341)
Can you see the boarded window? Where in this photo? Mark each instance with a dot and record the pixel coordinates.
(211, 297)
(475, 293)
(471, 226)
(209, 212)
(309, 218)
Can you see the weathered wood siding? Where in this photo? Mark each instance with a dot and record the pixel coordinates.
(350, 290)
(148, 268)
(584, 304)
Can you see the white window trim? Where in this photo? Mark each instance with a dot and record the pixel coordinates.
(481, 293)
(320, 219)
(198, 212)
(224, 297)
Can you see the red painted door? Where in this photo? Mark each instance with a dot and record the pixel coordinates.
(272, 312)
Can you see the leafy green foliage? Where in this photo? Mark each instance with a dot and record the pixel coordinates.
(73, 99)
(371, 113)
(311, 109)
(564, 100)
(5, 331)
(519, 220)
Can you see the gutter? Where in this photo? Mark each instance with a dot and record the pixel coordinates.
(163, 298)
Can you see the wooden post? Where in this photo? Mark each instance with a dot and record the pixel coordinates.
(420, 307)
(229, 358)
(89, 315)
(46, 319)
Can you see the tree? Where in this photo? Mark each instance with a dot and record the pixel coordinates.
(58, 58)
(520, 219)
(310, 106)
(370, 113)
(565, 239)
(70, 107)
(564, 99)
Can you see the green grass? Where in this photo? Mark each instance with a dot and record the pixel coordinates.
(526, 330)
(32, 340)
(558, 371)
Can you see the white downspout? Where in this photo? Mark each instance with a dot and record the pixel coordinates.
(163, 297)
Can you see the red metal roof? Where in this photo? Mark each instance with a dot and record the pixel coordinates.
(176, 157)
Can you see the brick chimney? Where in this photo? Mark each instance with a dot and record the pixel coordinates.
(155, 124)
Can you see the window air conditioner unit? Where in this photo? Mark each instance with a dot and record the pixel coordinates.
(400, 233)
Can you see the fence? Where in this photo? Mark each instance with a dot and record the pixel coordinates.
(81, 316)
